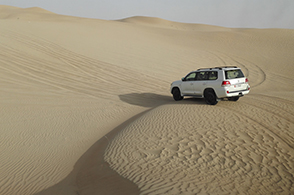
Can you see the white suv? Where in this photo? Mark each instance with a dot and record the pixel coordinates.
(213, 84)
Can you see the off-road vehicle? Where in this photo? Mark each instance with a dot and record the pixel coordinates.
(212, 84)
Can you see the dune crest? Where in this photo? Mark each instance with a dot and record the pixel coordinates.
(162, 23)
(10, 12)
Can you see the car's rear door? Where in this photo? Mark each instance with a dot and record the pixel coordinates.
(200, 83)
(237, 80)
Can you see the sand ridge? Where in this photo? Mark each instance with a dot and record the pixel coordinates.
(65, 82)
(162, 23)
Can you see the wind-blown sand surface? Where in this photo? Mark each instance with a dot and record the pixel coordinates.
(67, 82)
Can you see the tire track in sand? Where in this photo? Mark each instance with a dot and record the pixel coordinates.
(31, 64)
(256, 75)
(53, 65)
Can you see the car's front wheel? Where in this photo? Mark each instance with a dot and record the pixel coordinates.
(177, 94)
(210, 97)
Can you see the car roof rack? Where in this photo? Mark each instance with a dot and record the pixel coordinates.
(221, 67)
(204, 69)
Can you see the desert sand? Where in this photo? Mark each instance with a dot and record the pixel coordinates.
(85, 108)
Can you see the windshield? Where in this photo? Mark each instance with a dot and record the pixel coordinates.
(234, 74)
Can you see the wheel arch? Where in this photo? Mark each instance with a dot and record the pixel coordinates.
(175, 87)
(211, 89)
(208, 89)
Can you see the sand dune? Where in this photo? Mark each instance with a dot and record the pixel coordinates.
(190, 148)
(66, 82)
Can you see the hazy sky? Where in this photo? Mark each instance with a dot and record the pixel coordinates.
(227, 13)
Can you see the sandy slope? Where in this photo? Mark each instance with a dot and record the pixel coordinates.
(194, 149)
(66, 82)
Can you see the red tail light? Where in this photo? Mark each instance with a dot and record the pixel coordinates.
(246, 80)
(226, 83)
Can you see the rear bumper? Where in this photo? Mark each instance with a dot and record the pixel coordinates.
(225, 93)
(237, 93)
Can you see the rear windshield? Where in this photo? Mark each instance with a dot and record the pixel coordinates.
(234, 74)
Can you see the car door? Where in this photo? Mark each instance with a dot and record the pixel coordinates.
(187, 85)
(200, 82)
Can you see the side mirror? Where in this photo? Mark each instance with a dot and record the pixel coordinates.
(183, 79)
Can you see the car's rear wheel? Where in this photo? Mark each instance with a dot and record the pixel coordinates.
(177, 94)
(233, 98)
(210, 97)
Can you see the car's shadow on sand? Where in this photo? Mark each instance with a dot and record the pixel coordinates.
(152, 100)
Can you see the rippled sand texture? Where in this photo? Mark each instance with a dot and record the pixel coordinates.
(66, 82)
(193, 148)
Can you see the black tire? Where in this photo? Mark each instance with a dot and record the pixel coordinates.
(233, 98)
(210, 97)
(177, 94)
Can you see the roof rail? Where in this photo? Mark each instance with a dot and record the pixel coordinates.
(203, 68)
(221, 67)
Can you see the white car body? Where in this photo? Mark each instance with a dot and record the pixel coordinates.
(224, 82)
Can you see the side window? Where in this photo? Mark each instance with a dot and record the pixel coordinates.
(191, 77)
(212, 75)
(201, 76)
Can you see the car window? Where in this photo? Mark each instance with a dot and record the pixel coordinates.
(201, 76)
(233, 74)
(212, 75)
(190, 77)
(206, 75)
